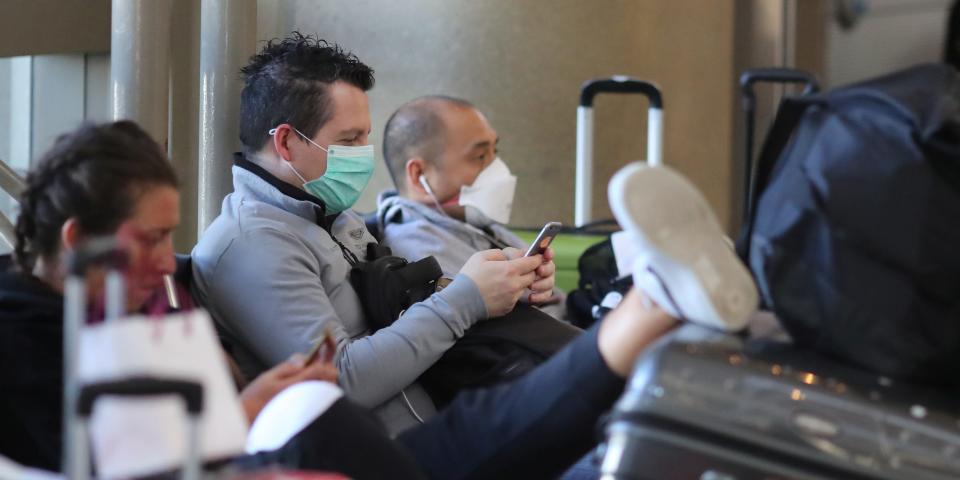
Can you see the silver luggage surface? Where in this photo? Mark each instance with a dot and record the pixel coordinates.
(704, 405)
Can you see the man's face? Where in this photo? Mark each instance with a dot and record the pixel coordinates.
(147, 237)
(349, 125)
(470, 144)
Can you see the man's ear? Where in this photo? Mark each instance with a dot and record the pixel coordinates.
(282, 135)
(69, 234)
(415, 168)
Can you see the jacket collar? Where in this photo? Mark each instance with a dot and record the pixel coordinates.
(392, 208)
(256, 181)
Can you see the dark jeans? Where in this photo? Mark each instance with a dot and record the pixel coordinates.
(534, 427)
(348, 439)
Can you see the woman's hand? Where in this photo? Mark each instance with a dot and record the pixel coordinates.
(266, 386)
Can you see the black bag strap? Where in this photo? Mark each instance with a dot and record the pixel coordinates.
(422, 273)
(347, 254)
(791, 110)
(377, 250)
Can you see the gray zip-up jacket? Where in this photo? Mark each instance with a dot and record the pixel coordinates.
(273, 276)
(413, 231)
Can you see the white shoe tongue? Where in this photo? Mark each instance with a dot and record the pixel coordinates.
(647, 282)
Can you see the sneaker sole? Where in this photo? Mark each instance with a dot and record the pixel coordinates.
(687, 249)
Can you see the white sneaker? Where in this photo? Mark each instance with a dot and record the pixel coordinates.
(687, 266)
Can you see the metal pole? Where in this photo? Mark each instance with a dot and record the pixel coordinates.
(655, 137)
(10, 181)
(7, 232)
(583, 199)
(75, 463)
(139, 64)
(116, 295)
(228, 33)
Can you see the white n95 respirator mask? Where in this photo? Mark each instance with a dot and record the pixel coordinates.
(489, 198)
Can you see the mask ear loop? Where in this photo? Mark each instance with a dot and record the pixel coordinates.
(273, 131)
(436, 203)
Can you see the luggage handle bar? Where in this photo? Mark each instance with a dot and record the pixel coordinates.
(620, 84)
(588, 91)
(775, 75)
(100, 251)
(748, 79)
(191, 393)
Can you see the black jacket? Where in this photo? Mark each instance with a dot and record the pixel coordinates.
(31, 371)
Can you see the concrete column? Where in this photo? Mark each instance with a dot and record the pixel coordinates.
(228, 34)
(184, 115)
(139, 64)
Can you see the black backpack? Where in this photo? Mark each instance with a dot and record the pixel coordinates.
(597, 267)
(492, 351)
(855, 237)
(388, 284)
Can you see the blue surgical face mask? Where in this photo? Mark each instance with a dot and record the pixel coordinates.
(348, 171)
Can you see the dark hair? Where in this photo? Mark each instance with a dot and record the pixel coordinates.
(951, 47)
(95, 174)
(287, 83)
(416, 130)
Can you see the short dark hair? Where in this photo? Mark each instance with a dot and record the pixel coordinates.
(287, 83)
(95, 174)
(416, 129)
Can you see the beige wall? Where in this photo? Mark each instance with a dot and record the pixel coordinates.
(893, 34)
(35, 27)
(522, 63)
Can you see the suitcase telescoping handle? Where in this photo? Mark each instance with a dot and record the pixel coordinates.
(748, 79)
(101, 252)
(589, 90)
(190, 392)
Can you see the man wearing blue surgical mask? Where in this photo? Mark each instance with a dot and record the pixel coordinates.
(274, 267)
(454, 193)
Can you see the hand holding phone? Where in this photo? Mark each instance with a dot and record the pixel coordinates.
(323, 349)
(544, 239)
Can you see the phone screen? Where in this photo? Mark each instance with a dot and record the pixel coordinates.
(544, 238)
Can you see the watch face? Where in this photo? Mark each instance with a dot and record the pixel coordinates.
(443, 282)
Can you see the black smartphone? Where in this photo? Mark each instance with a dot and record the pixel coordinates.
(544, 238)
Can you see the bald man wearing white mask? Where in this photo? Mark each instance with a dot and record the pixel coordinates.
(454, 194)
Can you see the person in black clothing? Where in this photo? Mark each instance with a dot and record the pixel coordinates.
(112, 179)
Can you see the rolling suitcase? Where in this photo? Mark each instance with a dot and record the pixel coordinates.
(79, 400)
(588, 92)
(721, 408)
(571, 245)
(591, 265)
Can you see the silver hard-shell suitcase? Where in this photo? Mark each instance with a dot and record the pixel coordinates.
(721, 408)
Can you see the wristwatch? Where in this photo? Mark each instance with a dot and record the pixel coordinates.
(442, 283)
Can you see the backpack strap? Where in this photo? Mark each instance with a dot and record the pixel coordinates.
(791, 110)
